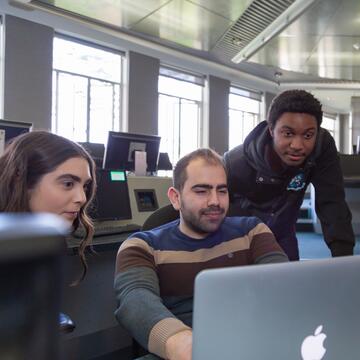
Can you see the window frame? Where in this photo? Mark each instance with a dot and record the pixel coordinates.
(193, 78)
(247, 94)
(56, 72)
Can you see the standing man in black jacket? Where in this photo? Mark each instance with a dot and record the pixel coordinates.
(268, 174)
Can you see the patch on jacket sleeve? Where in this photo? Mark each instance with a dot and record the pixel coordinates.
(297, 183)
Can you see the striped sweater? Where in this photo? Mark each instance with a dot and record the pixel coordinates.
(155, 272)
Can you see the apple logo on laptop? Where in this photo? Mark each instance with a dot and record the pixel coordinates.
(312, 347)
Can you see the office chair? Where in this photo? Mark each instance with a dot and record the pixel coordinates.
(167, 214)
(160, 217)
(164, 162)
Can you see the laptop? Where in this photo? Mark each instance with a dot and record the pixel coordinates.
(307, 310)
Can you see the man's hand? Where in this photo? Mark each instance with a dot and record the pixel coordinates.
(179, 346)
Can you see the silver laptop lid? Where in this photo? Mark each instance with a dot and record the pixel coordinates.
(305, 310)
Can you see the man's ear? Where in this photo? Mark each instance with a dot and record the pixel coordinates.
(174, 197)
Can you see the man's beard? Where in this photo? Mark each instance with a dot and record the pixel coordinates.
(198, 224)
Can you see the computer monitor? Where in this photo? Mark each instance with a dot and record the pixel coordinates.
(96, 151)
(32, 250)
(9, 130)
(121, 147)
(14, 128)
(112, 200)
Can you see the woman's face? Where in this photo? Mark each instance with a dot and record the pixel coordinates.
(62, 191)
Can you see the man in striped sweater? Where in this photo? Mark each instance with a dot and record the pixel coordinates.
(155, 270)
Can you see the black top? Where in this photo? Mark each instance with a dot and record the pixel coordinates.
(276, 196)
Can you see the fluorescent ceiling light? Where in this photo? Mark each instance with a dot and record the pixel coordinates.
(278, 25)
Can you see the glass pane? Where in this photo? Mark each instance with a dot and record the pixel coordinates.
(179, 88)
(243, 117)
(244, 103)
(54, 103)
(86, 60)
(169, 126)
(328, 123)
(72, 107)
(249, 124)
(2, 64)
(101, 110)
(236, 128)
(189, 127)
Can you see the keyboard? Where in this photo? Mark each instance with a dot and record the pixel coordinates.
(106, 229)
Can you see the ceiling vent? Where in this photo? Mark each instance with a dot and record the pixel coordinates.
(256, 18)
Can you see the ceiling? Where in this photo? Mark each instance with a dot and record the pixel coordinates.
(319, 50)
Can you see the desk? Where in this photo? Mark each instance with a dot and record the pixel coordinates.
(352, 197)
(91, 304)
(100, 243)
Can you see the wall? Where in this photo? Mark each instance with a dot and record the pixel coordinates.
(344, 123)
(355, 118)
(268, 98)
(218, 113)
(27, 72)
(143, 74)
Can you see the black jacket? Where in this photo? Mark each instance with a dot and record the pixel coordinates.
(255, 189)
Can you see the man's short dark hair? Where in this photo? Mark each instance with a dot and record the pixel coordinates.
(294, 101)
(210, 156)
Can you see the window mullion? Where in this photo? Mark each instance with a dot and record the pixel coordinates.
(88, 110)
(57, 103)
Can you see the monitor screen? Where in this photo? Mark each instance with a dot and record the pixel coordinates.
(14, 128)
(112, 200)
(31, 256)
(96, 151)
(121, 147)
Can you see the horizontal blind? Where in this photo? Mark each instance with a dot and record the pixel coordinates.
(252, 94)
(182, 75)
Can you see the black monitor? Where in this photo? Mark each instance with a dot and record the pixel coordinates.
(121, 147)
(32, 250)
(96, 151)
(14, 128)
(112, 200)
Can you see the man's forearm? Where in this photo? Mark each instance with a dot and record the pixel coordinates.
(141, 311)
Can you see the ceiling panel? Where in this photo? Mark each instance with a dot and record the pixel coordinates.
(231, 9)
(338, 100)
(119, 13)
(335, 51)
(335, 72)
(346, 20)
(289, 52)
(186, 24)
(320, 42)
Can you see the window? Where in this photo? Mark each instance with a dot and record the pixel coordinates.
(2, 65)
(244, 114)
(179, 123)
(86, 91)
(329, 123)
